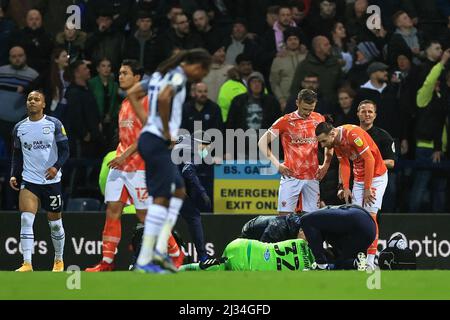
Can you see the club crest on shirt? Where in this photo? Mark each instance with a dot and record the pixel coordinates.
(267, 254)
(358, 142)
(46, 130)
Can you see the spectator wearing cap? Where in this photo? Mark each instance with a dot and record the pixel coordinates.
(405, 38)
(239, 42)
(254, 109)
(384, 94)
(179, 37)
(141, 45)
(73, 41)
(119, 10)
(366, 52)
(218, 73)
(6, 29)
(283, 67)
(105, 42)
(37, 43)
(323, 64)
(201, 109)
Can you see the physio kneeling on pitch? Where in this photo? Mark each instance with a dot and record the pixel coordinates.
(349, 229)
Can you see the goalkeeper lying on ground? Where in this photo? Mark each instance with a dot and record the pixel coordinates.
(253, 255)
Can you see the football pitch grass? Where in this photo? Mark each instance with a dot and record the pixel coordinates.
(226, 285)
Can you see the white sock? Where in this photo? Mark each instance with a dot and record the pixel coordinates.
(174, 210)
(27, 235)
(371, 259)
(154, 221)
(58, 237)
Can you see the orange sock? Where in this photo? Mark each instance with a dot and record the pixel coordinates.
(373, 247)
(172, 247)
(175, 252)
(111, 238)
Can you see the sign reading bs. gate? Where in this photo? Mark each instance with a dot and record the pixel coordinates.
(245, 188)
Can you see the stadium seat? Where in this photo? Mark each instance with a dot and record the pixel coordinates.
(83, 204)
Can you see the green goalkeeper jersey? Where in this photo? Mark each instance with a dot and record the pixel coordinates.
(253, 255)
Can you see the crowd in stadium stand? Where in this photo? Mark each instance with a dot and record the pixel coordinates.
(264, 52)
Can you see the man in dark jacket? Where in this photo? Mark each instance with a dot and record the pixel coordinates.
(254, 109)
(141, 45)
(385, 97)
(203, 110)
(82, 119)
(322, 63)
(105, 42)
(179, 37)
(37, 44)
(194, 149)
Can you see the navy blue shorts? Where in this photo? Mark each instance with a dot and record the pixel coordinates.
(161, 174)
(49, 194)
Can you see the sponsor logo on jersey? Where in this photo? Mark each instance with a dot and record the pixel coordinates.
(37, 145)
(63, 130)
(177, 79)
(358, 141)
(298, 140)
(267, 254)
(127, 123)
(27, 146)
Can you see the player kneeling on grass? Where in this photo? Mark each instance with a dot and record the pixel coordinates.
(349, 229)
(253, 255)
(40, 150)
